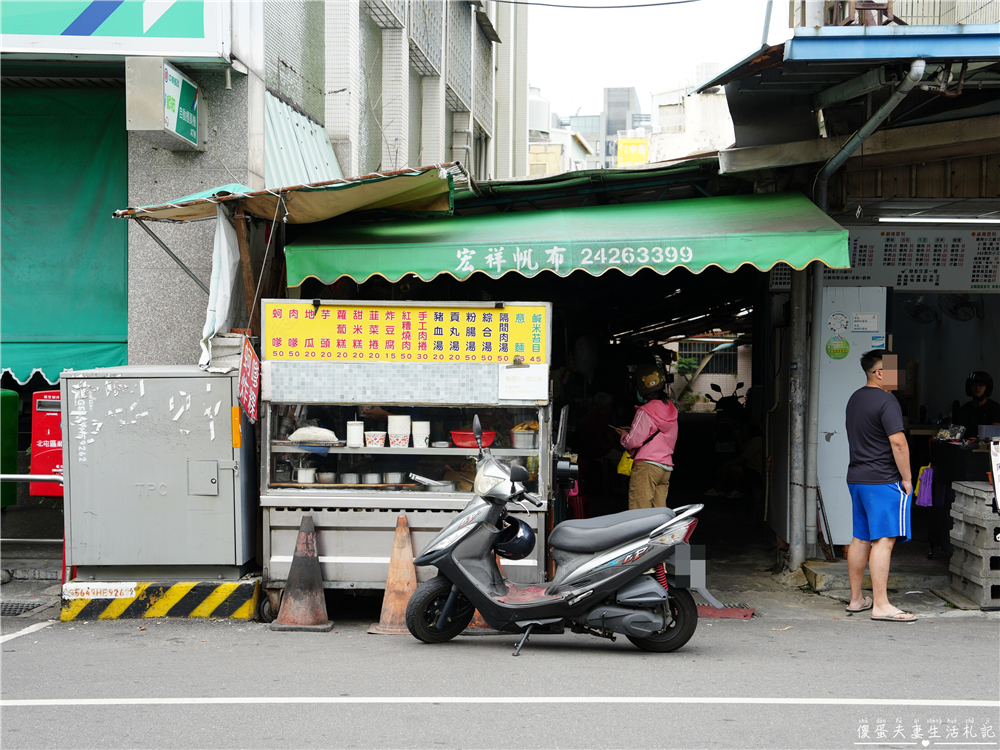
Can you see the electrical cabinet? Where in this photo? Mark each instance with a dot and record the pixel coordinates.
(160, 474)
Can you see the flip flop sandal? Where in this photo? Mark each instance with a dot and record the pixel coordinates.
(893, 618)
(866, 605)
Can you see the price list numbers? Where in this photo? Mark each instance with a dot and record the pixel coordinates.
(957, 258)
(986, 261)
(904, 255)
(862, 253)
(940, 251)
(890, 248)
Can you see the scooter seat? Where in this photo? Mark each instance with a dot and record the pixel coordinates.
(604, 532)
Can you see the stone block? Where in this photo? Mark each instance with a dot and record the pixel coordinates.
(975, 533)
(824, 576)
(979, 590)
(976, 563)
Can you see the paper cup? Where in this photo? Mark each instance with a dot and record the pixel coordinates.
(420, 441)
(374, 439)
(399, 441)
(399, 424)
(355, 434)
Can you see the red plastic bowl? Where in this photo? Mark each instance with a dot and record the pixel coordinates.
(466, 439)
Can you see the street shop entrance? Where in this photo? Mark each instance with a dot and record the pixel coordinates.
(616, 302)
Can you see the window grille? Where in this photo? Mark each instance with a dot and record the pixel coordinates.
(723, 362)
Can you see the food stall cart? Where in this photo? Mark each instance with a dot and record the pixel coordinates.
(413, 374)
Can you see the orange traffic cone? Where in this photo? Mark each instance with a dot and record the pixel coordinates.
(399, 584)
(303, 606)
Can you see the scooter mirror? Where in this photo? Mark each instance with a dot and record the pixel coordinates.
(715, 387)
(738, 386)
(518, 473)
(477, 428)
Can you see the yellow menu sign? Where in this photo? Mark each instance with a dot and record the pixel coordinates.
(343, 331)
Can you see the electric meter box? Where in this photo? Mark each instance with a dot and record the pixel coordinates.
(159, 467)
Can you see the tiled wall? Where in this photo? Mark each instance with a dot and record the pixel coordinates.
(295, 53)
(384, 383)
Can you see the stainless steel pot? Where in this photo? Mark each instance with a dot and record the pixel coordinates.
(372, 477)
(393, 477)
(350, 479)
(444, 487)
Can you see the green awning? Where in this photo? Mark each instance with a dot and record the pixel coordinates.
(63, 261)
(731, 231)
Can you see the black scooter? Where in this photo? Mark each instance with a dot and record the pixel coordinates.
(612, 575)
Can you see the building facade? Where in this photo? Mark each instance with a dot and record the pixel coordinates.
(419, 83)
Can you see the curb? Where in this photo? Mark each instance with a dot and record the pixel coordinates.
(233, 600)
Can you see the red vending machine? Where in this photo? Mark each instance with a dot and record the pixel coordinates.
(46, 442)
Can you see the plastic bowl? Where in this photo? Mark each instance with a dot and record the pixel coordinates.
(465, 438)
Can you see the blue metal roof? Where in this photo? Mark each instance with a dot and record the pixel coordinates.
(880, 43)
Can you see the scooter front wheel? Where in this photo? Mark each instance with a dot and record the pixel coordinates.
(424, 610)
(680, 630)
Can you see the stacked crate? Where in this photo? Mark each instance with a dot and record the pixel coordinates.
(975, 534)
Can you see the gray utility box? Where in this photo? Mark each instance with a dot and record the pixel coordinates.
(160, 476)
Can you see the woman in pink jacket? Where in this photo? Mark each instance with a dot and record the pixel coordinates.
(650, 440)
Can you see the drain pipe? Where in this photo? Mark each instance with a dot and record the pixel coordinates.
(823, 178)
(821, 198)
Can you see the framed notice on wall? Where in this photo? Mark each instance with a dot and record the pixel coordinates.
(444, 332)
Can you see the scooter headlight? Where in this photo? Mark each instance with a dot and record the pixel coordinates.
(485, 483)
(452, 538)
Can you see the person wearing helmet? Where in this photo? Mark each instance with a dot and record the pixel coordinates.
(981, 409)
(650, 440)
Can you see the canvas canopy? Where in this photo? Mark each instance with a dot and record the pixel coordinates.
(423, 191)
(728, 232)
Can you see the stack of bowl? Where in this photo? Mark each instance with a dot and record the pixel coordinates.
(399, 430)
(421, 434)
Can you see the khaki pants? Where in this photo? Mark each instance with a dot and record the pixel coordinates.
(648, 486)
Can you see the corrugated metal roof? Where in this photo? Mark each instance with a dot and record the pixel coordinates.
(297, 151)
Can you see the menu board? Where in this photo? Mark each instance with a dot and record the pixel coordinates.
(345, 331)
(921, 258)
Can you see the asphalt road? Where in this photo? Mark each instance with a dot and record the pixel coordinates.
(801, 676)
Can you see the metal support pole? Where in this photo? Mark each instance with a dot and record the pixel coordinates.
(177, 260)
(812, 421)
(797, 385)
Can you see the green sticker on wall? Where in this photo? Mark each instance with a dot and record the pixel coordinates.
(838, 347)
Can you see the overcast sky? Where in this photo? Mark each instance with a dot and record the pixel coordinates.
(574, 54)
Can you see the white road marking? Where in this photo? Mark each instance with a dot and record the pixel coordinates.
(26, 631)
(654, 700)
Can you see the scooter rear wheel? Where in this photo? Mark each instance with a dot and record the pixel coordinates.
(424, 609)
(679, 632)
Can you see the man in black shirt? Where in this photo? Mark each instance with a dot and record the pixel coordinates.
(981, 409)
(879, 480)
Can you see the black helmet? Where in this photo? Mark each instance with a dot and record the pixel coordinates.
(979, 376)
(516, 539)
(649, 379)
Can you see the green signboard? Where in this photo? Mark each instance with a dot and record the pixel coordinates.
(180, 104)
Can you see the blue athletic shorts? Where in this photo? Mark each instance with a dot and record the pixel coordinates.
(880, 510)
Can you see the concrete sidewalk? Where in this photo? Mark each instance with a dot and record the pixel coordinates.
(742, 573)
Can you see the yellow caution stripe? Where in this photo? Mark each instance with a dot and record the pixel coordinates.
(235, 600)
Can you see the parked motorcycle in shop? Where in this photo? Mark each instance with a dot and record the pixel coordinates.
(611, 576)
(730, 422)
